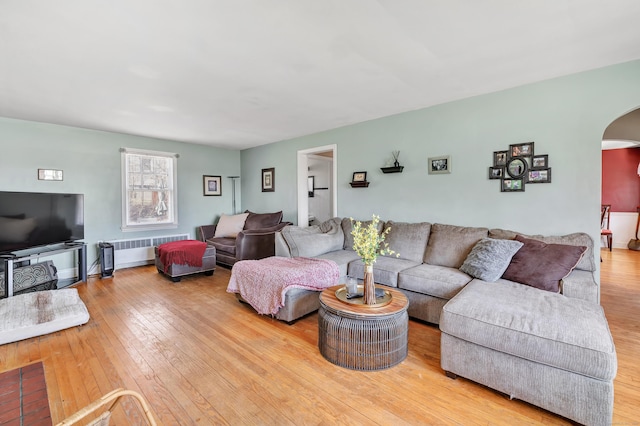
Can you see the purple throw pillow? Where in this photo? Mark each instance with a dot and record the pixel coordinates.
(543, 265)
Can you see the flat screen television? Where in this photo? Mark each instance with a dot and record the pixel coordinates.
(34, 219)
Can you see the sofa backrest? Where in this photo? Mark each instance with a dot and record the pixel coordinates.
(409, 240)
(262, 220)
(347, 228)
(587, 262)
(449, 245)
(314, 240)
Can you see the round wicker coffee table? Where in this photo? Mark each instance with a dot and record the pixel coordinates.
(360, 337)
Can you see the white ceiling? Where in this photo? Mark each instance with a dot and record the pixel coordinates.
(241, 73)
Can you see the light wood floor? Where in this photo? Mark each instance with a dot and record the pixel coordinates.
(200, 357)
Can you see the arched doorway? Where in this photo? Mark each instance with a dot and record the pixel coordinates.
(621, 175)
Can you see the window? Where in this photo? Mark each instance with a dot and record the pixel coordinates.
(149, 190)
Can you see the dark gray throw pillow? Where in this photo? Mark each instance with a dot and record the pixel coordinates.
(489, 258)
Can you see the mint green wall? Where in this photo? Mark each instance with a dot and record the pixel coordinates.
(565, 117)
(90, 161)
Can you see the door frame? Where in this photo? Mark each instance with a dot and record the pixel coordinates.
(303, 193)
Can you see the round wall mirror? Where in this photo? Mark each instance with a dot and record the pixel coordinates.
(516, 167)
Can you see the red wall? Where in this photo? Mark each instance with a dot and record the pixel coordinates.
(620, 180)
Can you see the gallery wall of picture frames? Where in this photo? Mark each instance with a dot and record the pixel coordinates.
(518, 166)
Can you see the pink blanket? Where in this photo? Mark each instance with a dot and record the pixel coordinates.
(263, 283)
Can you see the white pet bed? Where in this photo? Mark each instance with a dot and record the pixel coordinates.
(42, 312)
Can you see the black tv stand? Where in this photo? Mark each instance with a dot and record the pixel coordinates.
(20, 256)
(73, 243)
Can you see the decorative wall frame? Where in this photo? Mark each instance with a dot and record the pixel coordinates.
(521, 150)
(500, 158)
(512, 185)
(211, 186)
(359, 177)
(518, 166)
(540, 162)
(539, 176)
(269, 180)
(359, 180)
(49, 174)
(439, 165)
(496, 172)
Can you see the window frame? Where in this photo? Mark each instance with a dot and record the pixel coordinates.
(127, 225)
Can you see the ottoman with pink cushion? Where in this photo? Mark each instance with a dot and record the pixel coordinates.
(285, 288)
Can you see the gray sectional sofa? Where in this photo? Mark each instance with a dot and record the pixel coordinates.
(549, 348)
(428, 269)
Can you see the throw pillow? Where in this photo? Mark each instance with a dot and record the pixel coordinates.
(587, 263)
(449, 245)
(262, 220)
(229, 226)
(543, 265)
(314, 240)
(347, 228)
(408, 240)
(489, 258)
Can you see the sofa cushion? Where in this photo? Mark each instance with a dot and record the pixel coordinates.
(438, 281)
(314, 240)
(385, 270)
(543, 265)
(449, 245)
(408, 240)
(224, 245)
(229, 226)
(342, 259)
(543, 327)
(587, 263)
(489, 258)
(262, 220)
(347, 228)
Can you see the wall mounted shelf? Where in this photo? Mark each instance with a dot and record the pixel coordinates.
(362, 184)
(394, 169)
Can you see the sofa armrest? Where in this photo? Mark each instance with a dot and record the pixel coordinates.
(256, 244)
(205, 232)
(581, 285)
(282, 248)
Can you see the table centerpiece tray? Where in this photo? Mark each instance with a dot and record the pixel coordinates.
(342, 295)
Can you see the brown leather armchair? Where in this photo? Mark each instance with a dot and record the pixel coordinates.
(255, 241)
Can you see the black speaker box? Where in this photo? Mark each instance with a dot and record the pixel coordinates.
(106, 260)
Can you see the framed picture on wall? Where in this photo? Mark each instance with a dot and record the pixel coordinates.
(540, 162)
(500, 158)
(439, 165)
(517, 167)
(521, 150)
(48, 174)
(359, 177)
(496, 172)
(539, 176)
(212, 185)
(269, 180)
(512, 185)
